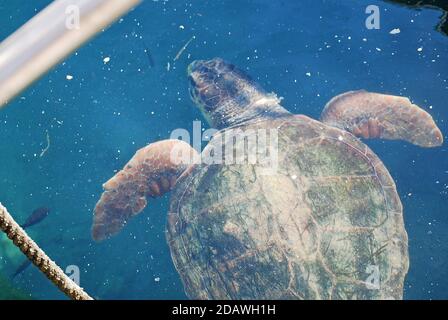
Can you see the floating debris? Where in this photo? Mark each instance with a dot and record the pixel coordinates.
(168, 66)
(106, 60)
(47, 147)
(395, 31)
(183, 48)
(69, 77)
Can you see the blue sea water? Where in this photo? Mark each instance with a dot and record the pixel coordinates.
(306, 51)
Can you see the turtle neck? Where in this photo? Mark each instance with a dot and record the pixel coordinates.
(237, 112)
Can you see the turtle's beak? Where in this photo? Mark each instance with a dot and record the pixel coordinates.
(191, 67)
(194, 73)
(193, 92)
(194, 66)
(192, 88)
(194, 79)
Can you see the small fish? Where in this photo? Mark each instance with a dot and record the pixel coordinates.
(149, 55)
(21, 268)
(37, 216)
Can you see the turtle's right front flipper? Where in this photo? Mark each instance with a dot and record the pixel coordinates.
(152, 172)
(374, 115)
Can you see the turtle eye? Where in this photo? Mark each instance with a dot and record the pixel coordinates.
(203, 70)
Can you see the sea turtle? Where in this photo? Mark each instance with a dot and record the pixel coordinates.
(320, 220)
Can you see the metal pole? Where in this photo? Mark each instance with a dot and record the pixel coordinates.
(49, 37)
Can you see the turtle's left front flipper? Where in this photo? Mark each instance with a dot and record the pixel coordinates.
(152, 172)
(373, 115)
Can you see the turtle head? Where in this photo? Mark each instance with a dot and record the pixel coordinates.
(225, 94)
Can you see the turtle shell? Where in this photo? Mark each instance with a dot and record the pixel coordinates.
(327, 223)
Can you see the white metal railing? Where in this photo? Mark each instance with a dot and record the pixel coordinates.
(49, 37)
